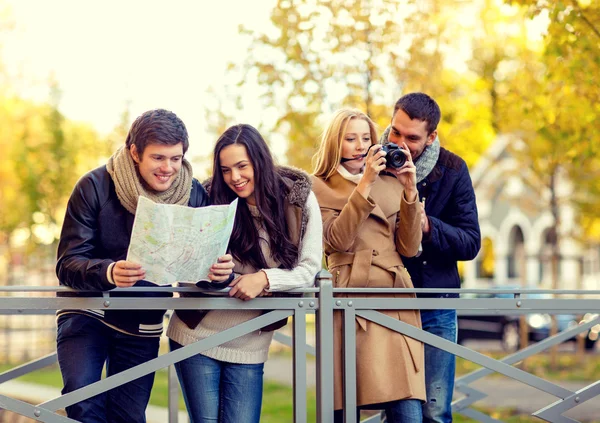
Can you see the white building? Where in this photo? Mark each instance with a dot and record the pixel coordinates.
(515, 219)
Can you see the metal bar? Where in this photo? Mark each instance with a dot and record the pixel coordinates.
(173, 389)
(27, 288)
(165, 360)
(32, 312)
(461, 291)
(530, 350)
(57, 288)
(299, 363)
(472, 395)
(284, 339)
(463, 352)
(554, 411)
(31, 411)
(32, 366)
(144, 303)
(350, 365)
(464, 312)
(324, 319)
(551, 306)
(379, 417)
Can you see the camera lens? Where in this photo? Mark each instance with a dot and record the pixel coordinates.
(396, 159)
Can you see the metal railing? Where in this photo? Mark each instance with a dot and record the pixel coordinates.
(324, 304)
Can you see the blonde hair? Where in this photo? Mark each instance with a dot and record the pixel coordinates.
(329, 155)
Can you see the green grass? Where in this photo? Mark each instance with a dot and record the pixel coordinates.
(570, 367)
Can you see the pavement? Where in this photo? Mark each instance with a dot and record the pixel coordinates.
(504, 393)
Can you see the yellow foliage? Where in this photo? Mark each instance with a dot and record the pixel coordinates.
(43, 156)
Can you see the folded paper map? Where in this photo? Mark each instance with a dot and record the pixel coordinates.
(177, 243)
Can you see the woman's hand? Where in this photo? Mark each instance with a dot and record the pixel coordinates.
(249, 286)
(374, 164)
(407, 175)
(220, 271)
(126, 273)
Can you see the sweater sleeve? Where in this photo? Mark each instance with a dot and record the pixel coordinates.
(311, 253)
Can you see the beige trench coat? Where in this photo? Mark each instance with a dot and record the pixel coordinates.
(363, 240)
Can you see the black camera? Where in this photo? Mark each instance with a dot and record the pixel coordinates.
(394, 155)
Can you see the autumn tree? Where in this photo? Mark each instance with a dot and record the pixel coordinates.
(553, 106)
(321, 56)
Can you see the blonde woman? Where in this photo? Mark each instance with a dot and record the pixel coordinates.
(371, 216)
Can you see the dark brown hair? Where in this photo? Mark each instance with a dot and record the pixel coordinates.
(158, 126)
(422, 107)
(269, 195)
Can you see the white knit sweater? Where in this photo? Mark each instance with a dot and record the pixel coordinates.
(253, 348)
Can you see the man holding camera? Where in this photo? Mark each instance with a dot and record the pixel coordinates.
(450, 233)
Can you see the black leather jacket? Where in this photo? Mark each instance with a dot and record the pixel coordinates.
(454, 226)
(95, 233)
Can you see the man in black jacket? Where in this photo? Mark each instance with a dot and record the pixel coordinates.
(450, 233)
(91, 256)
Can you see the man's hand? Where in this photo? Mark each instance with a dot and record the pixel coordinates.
(220, 271)
(126, 273)
(407, 175)
(249, 286)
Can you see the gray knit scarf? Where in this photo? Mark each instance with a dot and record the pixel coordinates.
(129, 185)
(426, 161)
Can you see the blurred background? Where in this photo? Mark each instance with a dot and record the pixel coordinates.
(518, 82)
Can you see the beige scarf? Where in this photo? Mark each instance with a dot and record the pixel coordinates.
(129, 184)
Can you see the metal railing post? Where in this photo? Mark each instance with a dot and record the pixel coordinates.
(349, 363)
(299, 363)
(324, 325)
(173, 387)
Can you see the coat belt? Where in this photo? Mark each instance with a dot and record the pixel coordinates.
(362, 261)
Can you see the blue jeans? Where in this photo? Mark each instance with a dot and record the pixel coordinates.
(439, 366)
(402, 411)
(84, 344)
(217, 391)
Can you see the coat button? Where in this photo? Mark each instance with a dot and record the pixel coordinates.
(424, 262)
(424, 184)
(375, 252)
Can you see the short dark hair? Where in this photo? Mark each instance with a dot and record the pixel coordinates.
(269, 194)
(420, 106)
(157, 126)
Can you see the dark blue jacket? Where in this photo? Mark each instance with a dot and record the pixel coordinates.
(95, 233)
(454, 226)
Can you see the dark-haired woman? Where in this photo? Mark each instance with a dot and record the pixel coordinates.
(276, 245)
